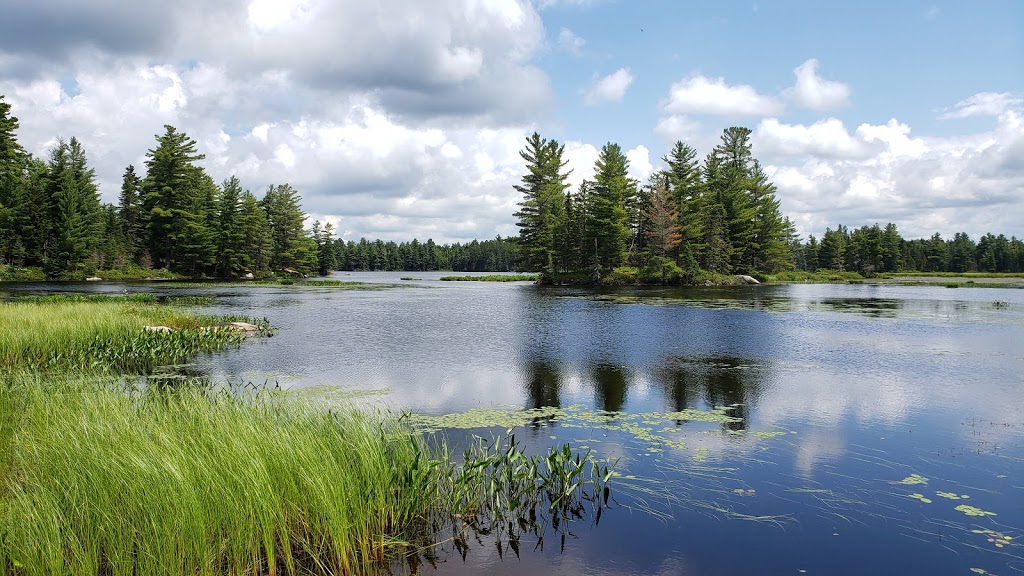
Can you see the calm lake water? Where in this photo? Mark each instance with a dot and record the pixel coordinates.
(876, 429)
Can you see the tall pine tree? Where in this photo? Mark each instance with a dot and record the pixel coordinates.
(542, 224)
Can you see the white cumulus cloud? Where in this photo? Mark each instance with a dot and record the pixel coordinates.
(611, 88)
(698, 94)
(984, 104)
(813, 91)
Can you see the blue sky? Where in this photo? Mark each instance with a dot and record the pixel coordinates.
(402, 118)
(901, 59)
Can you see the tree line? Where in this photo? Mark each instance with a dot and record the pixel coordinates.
(872, 249)
(720, 217)
(497, 255)
(174, 217)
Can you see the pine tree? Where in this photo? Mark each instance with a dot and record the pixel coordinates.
(170, 196)
(325, 256)
(34, 216)
(292, 248)
(686, 184)
(256, 236)
(129, 211)
(232, 258)
(728, 177)
(76, 210)
(12, 174)
(769, 251)
(542, 211)
(607, 219)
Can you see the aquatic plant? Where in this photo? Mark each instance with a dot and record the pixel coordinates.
(492, 278)
(186, 481)
(105, 336)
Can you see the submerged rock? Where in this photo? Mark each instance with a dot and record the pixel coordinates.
(744, 279)
(240, 326)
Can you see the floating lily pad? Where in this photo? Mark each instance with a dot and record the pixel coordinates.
(912, 480)
(972, 511)
(921, 497)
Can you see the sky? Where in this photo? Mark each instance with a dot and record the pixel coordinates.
(401, 119)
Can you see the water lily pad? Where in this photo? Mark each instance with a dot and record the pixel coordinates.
(973, 511)
(912, 480)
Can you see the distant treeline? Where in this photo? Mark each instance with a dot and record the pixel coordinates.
(872, 249)
(497, 255)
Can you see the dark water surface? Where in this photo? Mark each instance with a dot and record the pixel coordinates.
(842, 391)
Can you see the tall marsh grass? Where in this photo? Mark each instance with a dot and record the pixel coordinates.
(94, 480)
(103, 482)
(105, 336)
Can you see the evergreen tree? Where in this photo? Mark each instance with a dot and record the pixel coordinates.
(256, 240)
(686, 184)
(728, 180)
(663, 235)
(607, 219)
(76, 210)
(233, 259)
(171, 193)
(130, 211)
(12, 174)
(542, 211)
(325, 248)
(34, 216)
(292, 248)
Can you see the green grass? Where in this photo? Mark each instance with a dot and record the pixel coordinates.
(818, 277)
(954, 274)
(102, 335)
(192, 482)
(492, 278)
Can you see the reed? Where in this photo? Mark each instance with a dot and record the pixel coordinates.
(193, 482)
(102, 336)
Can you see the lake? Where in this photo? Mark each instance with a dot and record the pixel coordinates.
(862, 429)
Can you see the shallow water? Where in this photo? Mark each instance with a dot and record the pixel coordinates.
(843, 391)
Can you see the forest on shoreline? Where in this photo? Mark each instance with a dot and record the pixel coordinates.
(692, 221)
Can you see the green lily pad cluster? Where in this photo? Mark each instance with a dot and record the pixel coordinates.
(655, 429)
(921, 497)
(952, 496)
(973, 511)
(912, 480)
(997, 539)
